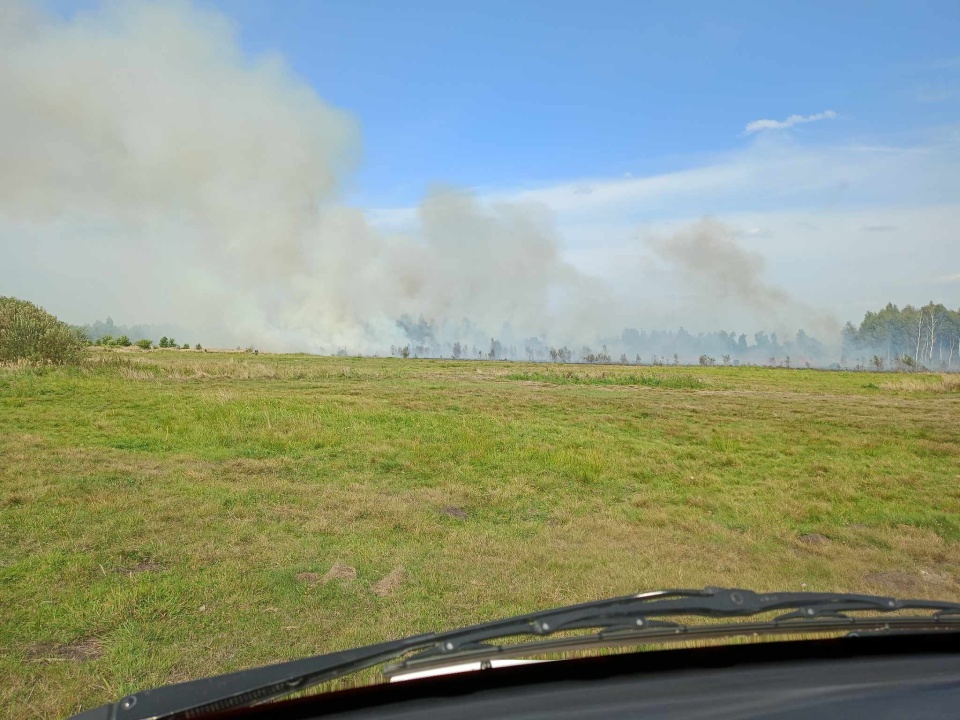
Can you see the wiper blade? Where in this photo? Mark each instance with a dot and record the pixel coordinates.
(661, 633)
(622, 614)
(639, 612)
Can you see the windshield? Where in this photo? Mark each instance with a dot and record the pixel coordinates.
(327, 324)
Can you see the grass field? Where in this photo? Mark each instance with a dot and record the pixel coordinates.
(168, 515)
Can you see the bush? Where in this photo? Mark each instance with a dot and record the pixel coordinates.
(30, 333)
(144, 344)
(122, 341)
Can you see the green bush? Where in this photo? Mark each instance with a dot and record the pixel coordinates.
(144, 344)
(122, 341)
(30, 333)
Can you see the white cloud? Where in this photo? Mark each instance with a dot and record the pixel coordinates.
(930, 93)
(835, 223)
(758, 125)
(771, 174)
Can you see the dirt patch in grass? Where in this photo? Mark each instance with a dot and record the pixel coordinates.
(79, 651)
(813, 539)
(900, 582)
(456, 512)
(338, 571)
(141, 567)
(390, 582)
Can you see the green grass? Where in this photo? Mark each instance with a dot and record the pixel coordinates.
(157, 508)
(675, 380)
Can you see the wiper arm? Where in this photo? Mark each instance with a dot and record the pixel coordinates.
(631, 612)
(659, 633)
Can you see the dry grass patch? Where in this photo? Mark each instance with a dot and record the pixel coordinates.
(78, 651)
(937, 383)
(389, 583)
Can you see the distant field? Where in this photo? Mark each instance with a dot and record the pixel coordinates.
(168, 515)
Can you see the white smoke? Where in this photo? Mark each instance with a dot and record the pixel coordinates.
(193, 185)
(716, 272)
(220, 175)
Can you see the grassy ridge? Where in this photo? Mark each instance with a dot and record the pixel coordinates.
(168, 515)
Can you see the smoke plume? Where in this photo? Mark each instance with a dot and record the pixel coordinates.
(717, 272)
(143, 128)
(707, 257)
(191, 184)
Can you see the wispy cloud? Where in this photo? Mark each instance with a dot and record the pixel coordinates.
(758, 232)
(760, 125)
(833, 222)
(933, 93)
(944, 64)
(763, 176)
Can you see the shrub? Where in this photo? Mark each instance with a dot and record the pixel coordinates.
(144, 344)
(122, 341)
(105, 340)
(185, 346)
(30, 333)
(198, 347)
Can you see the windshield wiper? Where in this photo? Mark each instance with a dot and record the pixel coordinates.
(617, 619)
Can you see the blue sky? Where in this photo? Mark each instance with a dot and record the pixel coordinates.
(512, 94)
(501, 94)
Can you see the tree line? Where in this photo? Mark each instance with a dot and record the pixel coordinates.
(892, 338)
(925, 337)
(632, 346)
(143, 343)
(904, 338)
